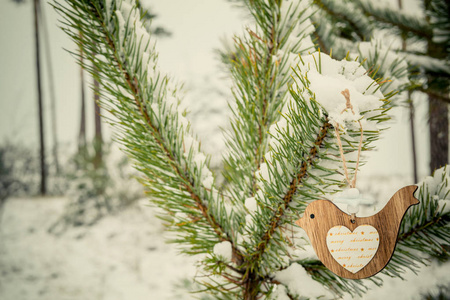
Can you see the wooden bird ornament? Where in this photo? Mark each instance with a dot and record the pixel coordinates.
(353, 247)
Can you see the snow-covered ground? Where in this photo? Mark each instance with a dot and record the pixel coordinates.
(121, 257)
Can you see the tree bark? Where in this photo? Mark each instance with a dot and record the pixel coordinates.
(251, 287)
(51, 81)
(438, 114)
(411, 115)
(82, 132)
(437, 109)
(413, 135)
(43, 183)
(98, 138)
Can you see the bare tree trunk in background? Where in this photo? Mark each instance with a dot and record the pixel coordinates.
(413, 135)
(411, 115)
(438, 114)
(98, 139)
(82, 133)
(43, 188)
(51, 80)
(437, 109)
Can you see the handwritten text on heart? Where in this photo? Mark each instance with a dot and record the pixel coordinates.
(353, 250)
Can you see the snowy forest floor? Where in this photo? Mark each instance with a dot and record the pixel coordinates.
(123, 256)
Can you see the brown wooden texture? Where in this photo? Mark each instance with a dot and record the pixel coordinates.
(386, 222)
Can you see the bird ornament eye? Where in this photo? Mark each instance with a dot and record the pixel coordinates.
(312, 216)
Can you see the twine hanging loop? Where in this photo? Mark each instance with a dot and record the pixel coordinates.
(351, 183)
(349, 106)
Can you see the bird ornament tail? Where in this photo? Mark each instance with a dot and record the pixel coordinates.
(353, 247)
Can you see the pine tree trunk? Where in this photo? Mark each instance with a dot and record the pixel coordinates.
(437, 109)
(438, 114)
(413, 135)
(82, 132)
(98, 139)
(251, 287)
(43, 183)
(51, 81)
(411, 114)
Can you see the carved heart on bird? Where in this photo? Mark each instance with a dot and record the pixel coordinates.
(353, 250)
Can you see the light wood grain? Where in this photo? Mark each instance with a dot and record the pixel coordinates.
(386, 222)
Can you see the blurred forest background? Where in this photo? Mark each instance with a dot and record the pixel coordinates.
(75, 218)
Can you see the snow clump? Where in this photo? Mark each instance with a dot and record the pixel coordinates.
(299, 282)
(323, 80)
(438, 186)
(224, 250)
(251, 204)
(327, 78)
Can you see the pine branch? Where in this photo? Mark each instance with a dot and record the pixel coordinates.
(435, 66)
(385, 65)
(330, 37)
(394, 19)
(341, 11)
(424, 231)
(434, 94)
(438, 14)
(173, 169)
(253, 70)
(259, 87)
(425, 227)
(279, 212)
(337, 284)
(259, 65)
(321, 44)
(273, 223)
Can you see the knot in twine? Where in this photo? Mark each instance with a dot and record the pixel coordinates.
(348, 104)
